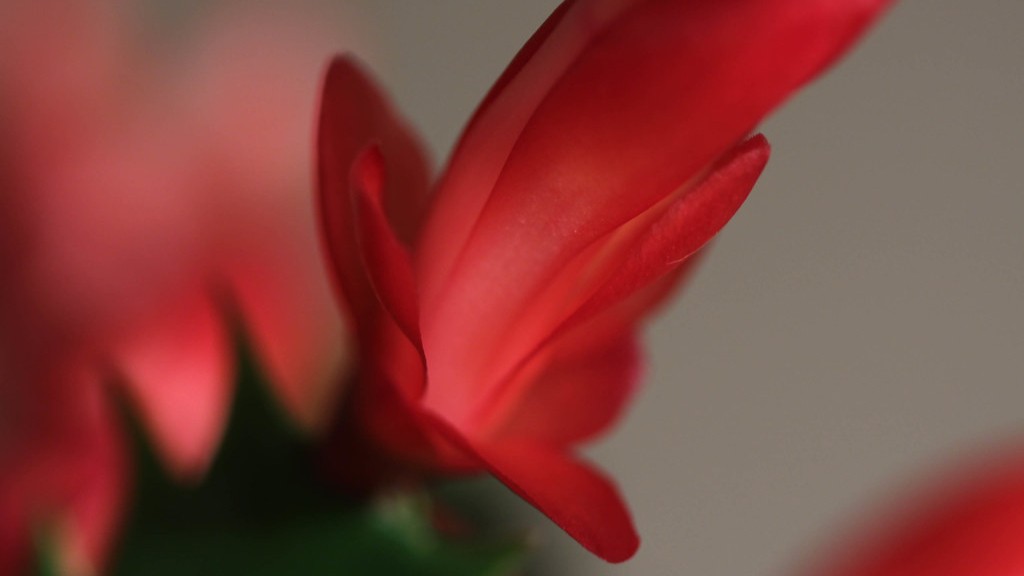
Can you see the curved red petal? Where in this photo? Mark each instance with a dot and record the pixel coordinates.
(643, 262)
(608, 271)
(665, 89)
(386, 260)
(592, 360)
(491, 133)
(648, 262)
(583, 382)
(353, 115)
(689, 222)
(178, 372)
(581, 500)
(624, 274)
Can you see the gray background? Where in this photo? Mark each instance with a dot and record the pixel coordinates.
(858, 322)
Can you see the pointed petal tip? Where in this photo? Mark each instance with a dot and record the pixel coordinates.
(178, 373)
(577, 497)
(340, 64)
(341, 72)
(760, 141)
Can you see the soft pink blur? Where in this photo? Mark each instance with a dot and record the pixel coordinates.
(150, 190)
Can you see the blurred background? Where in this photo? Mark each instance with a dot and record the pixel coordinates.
(857, 324)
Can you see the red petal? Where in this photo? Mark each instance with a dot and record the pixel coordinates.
(586, 379)
(577, 382)
(621, 263)
(61, 466)
(637, 306)
(385, 259)
(288, 313)
(353, 115)
(581, 500)
(647, 269)
(969, 523)
(63, 65)
(663, 91)
(688, 224)
(654, 244)
(650, 256)
(490, 134)
(177, 370)
(578, 498)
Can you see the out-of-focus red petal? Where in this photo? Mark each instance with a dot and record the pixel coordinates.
(288, 313)
(177, 370)
(385, 258)
(252, 159)
(353, 115)
(63, 64)
(258, 149)
(62, 468)
(663, 91)
(578, 498)
(969, 522)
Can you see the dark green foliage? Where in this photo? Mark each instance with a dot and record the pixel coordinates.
(262, 510)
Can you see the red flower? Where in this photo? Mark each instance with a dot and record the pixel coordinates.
(967, 522)
(497, 319)
(139, 195)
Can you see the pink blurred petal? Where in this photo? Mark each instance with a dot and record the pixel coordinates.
(61, 468)
(177, 369)
(294, 331)
(63, 64)
(135, 185)
(254, 153)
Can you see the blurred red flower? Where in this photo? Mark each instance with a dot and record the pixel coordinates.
(497, 320)
(146, 185)
(968, 521)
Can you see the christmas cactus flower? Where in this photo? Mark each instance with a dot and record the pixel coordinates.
(968, 521)
(497, 309)
(139, 201)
